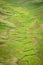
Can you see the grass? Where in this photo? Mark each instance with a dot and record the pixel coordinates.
(21, 29)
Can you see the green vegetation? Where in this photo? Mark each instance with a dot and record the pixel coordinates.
(21, 32)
